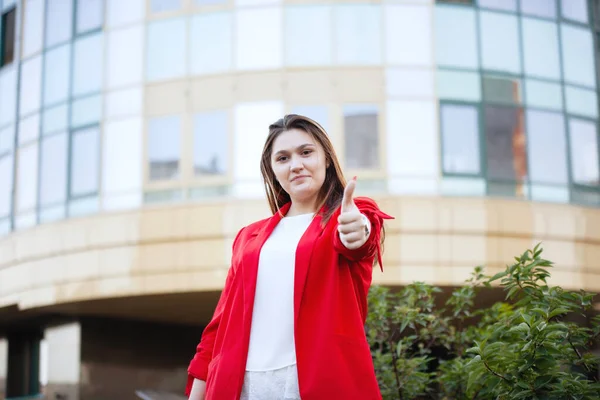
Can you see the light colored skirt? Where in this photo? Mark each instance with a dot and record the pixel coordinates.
(278, 384)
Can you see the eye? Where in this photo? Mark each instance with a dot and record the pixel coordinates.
(306, 152)
(281, 158)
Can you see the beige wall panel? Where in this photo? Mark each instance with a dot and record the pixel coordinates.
(212, 93)
(259, 86)
(359, 85)
(309, 87)
(167, 98)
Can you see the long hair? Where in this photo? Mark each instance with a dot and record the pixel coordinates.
(332, 190)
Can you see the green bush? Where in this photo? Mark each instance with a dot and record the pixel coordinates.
(534, 345)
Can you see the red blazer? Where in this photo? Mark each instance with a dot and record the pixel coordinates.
(331, 284)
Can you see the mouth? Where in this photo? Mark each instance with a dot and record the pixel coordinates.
(299, 177)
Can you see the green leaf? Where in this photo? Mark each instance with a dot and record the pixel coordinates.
(558, 311)
(542, 380)
(498, 276)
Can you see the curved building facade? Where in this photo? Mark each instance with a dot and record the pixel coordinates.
(130, 141)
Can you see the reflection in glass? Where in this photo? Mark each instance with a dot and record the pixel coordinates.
(6, 179)
(56, 74)
(90, 15)
(459, 85)
(30, 85)
(165, 5)
(460, 139)
(165, 49)
(357, 34)
(119, 12)
(258, 37)
(404, 21)
(53, 171)
(456, 37)
(27, 177)
(502, 90)
(210, 44)
(543, 94)
(500, 49)
(164, 147)
(211, 143)
(88, 65)
(55, 119)
(59, 17)
(86, 111)
(575, 10)
(584, 152)
(547, 147)
(319, 114)
(361, 136)
(540, 48)
(504, 5)
(308, 46)
(578, 55)
(85, 152)
(539, 8)
(33, 27)
(506, 147)
(582, 102)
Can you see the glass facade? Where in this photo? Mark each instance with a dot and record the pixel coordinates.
(108, 104)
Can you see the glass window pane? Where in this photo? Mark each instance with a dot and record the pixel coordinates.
(584, 151)
(56, 74)
(6, 180)
(505, 5)
(27, 178)
(308, 46)
(90, 15)
(55, 119)
(577, 55)
(357, 34)
(255, 2)
(119, 12)
(543, 94)
(125, 56)
(84, 206)
(86, 111)
(33, 22)
(88, 67)
(59, 17)
(259, 43)
(500, 50)
(210, 46)
(505, 144)
(8, 95)
(122, 156)
(547, 147)
(361, 136)
(402, 82)
(456, 37)
(403, 21)
(53, 171)
(211, 143)
(540, 48)
(164, 147)
(209, 2)
(539, 8)
(8, 31)
(460, 139)
(30, 85)
(51, 214)
(165, 5)
(124, 103)
(459, 85)
(7, 140)
(319, 114)
(575, 10)
(85, 151)
(29, 129)
(502, 90)
(581, 101)
(165, 51)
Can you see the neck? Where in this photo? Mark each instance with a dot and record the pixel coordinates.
(298, 208)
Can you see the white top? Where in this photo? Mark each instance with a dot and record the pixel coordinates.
(272, 332)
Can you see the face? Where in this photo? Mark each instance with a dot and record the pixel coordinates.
(299, 164)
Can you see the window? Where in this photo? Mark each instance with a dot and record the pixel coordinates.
(543, 94)
(539, 8)
(164, 147)
(55, 119)
(211, 143)
(500, 90)
(456, 37)
(57, 66)
(577, 55)
(581, 101)
(500, 50)
(53, 171)
(575, 10)
(584, 152)
(123, 103)
(506, 149)
(459, 85)
(30, 86)
(125, 56)
(122, 156)
(210, 46)
(319, 114)
(357, 33)
(165, 5)
(504, 5)
(119, 12)
(27, 178)
(29, 129)
(403, 82)
(85, 152)
(59, 17)
(460, 139)
(33, 23)
(259, 43)
(8, 37)
(403, 22)
(255, 2)
(90, 15)
(6, 179)
(547, 147)
(86, 111)
(304, 46)
(8, 96)
(165, 50)
(361, 134)
(88, 64)
(7, 140)
(540, 49)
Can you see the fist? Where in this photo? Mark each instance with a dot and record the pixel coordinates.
(353, 227)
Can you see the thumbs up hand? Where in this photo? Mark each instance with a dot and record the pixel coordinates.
(353, 226)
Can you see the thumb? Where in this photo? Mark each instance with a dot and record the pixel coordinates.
(348, 200)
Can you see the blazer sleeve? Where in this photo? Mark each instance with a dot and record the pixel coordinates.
(372, 247)
(198, 367)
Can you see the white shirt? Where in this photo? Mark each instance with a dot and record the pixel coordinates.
(272, 343)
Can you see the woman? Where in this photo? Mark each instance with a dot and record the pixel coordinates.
(290, 320)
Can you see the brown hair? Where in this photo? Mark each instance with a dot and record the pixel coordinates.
(331, 192)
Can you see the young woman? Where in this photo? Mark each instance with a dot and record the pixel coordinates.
(290, 320)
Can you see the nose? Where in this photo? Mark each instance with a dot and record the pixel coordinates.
(296, 164)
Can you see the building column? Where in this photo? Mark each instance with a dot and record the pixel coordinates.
(61, 361)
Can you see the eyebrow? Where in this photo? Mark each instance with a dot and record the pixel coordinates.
(299, 148)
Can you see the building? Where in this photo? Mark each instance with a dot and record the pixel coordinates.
(130, 135)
